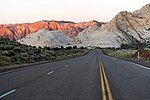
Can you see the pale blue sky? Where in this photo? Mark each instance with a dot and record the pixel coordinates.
(20, 11)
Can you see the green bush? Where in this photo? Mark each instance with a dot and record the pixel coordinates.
(6, 47)
(37, 51)
(56, 49)
(9, 53)
(82, 48)
(74, 47)
(17, 49)
(68, 48)
(12, 52)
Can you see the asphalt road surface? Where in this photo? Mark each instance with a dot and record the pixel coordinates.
(94, 76)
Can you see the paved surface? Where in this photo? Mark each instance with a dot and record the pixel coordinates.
(141, 62)
(94, 76)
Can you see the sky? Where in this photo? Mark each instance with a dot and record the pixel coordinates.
(24, 11)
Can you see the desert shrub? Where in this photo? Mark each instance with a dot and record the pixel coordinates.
(40, 47)
(68, 48)
(5, 53)
(82, 48)
(143, 53)
(74, 47)
(17, 49)
(44, 57)
(37, 51)
(4, 61)
(6, 47)
(35, 58)
(11, 53)
(17, 44)
(34, 47)
(24, 55)
(56, 49)
(62, 47)
(53, 54)
(47, 48)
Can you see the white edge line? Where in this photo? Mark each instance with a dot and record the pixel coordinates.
(140, 66)
(5, 94)
(50, 72)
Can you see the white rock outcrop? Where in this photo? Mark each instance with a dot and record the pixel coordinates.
(124, 28)
(47, 38)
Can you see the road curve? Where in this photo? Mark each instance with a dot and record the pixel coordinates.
(94, 76)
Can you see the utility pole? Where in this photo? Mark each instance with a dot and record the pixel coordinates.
(138, 56)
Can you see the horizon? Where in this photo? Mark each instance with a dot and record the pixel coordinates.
(30, 11)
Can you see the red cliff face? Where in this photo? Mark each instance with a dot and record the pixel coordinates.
(18, 31)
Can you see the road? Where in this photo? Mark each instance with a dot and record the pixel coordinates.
(94, 76)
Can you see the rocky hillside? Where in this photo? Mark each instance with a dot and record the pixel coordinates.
(93, 36)
(46, 38)
(124, 28)
(18, 31)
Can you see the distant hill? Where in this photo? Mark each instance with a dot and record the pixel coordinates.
(124, 28)
(46, 38)
(18, 31)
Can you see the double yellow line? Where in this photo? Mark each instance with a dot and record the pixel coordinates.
(104, 82)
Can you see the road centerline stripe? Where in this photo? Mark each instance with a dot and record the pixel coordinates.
(66, 65)
(50, 72)
(102, 72)
(102, 83)
(107, 83)
(5, 94)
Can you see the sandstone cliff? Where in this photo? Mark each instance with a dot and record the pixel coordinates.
(18, 31)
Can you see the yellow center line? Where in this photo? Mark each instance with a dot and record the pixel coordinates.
(107, 84)
(102, 84)
(102, 71)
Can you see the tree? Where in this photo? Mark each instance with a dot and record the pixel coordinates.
(62, 47)
(74, 47)
(82, 47)
(40, 47)
(68, 48)
(56, 48)
(47, 48)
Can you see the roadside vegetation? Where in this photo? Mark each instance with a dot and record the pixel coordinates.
(123, 53)
(130, 51)
(144, 54)
(14, 53)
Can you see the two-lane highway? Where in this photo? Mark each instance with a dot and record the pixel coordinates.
(94, 76)
(128, 81)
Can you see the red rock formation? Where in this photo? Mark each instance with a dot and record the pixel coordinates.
(18, 31)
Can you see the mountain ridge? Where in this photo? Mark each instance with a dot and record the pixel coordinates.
(125, 28)
(18, 31)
